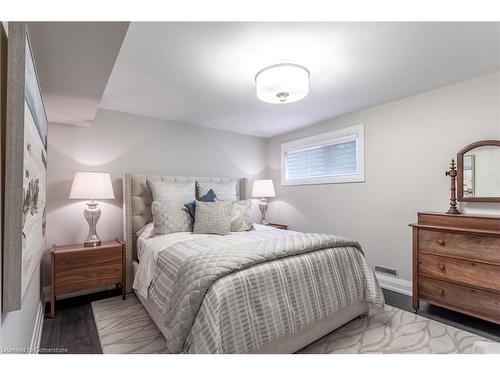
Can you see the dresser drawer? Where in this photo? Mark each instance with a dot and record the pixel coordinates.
(460, 245)
(74, 259)
(480, 275)
(72, 280)
(485, 305)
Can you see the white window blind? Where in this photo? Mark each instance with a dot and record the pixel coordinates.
(328, 158)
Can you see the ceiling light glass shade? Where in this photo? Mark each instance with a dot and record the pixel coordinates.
(282, 83)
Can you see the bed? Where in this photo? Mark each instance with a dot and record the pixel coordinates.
(260, 291)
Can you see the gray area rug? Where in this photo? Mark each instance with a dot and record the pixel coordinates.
(124, 326)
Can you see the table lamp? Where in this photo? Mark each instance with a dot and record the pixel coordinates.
(263, 189)
(92, 185)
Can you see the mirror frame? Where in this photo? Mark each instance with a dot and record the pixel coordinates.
(460, 170)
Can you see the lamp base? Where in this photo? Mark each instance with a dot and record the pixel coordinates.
(263, 210)
(92, 214)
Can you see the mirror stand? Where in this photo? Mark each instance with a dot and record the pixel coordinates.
(453, 210)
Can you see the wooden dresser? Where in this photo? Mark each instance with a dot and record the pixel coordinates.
(456, 263)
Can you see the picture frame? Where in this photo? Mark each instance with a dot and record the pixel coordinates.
(25, 170)
(3, 115)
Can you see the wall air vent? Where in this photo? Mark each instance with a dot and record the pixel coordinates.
(387, 271)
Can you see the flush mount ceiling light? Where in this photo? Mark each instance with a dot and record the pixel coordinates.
(282, 83)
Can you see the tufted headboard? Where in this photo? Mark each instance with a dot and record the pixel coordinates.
(137, 200)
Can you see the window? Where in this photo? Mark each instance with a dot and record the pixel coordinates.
(328, 158)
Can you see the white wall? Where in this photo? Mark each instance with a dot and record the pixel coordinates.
(118, 143)
(409, 145)
(16, 328)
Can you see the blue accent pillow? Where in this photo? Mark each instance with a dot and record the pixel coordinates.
(208, 197)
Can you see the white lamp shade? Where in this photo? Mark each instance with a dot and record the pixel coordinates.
(91, 185)
(282, 83)
(263, 189)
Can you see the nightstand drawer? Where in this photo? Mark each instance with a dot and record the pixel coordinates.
(75, 268)
(72, 280)
(94, 256)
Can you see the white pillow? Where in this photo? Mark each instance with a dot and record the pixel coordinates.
(241, 218)
(213, 217)
(169, 218)
(225, 191)
(174, 193)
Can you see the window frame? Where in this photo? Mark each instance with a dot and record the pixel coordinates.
(336, 136)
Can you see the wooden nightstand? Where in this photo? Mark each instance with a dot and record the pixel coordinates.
(279, 226)
(75, 268)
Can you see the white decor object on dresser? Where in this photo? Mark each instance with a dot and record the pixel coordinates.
(92, 185)
(263, 189)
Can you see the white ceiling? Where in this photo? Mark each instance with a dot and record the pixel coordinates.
(203, 73)
(74, 61)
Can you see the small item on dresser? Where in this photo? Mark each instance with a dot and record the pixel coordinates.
(453, 210)
(263, 189)
(92, 185)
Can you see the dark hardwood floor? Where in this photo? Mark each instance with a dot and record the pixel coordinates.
(73, 330)
(467, 323)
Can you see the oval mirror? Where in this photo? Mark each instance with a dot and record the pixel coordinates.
(478, 167)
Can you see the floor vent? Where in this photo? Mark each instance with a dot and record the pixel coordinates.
(387, 271)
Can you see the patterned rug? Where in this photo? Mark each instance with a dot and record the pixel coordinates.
(125, 327)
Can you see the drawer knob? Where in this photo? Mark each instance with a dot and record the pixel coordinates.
(442, 266)
(441, 242)
(441, 291)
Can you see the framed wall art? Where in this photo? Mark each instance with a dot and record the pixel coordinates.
(25, 170)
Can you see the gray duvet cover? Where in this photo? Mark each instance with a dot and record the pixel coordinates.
(236, 293)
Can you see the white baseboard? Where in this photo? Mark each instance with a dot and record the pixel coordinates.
(394, 284)
(37, 329)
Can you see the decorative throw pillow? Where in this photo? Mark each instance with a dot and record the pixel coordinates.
(208, 197)
(225, 191)
(175, 193)
(241, 220)
(213, 217)
(168, 218)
